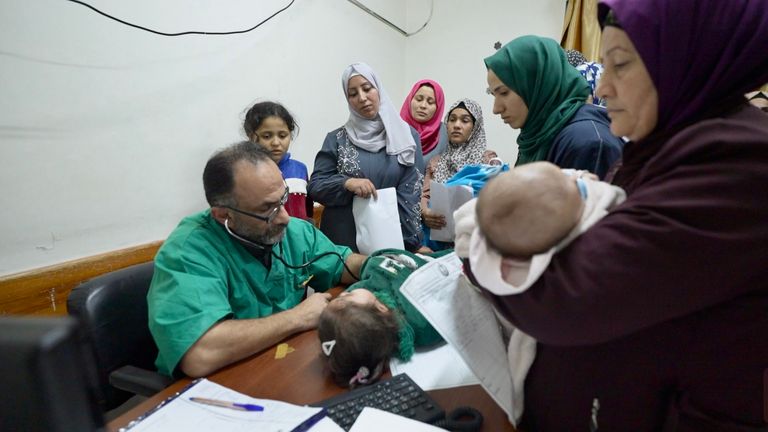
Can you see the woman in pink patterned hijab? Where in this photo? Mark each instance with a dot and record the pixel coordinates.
(423, 110)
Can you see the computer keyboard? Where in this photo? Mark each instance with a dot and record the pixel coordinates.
(398, 395)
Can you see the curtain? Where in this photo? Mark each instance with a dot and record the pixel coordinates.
(581, 31)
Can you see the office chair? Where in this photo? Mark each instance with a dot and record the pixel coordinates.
(113, 311)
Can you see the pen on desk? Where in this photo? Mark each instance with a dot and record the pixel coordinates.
(308, 423)
(226, 404)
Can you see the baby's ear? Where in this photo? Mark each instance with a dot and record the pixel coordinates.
(381, 307)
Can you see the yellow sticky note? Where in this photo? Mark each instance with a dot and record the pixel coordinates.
(283, 350)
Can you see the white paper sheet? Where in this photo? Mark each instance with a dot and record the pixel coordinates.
(377, 222)
(466, 320)
(375, 420)
(436, 368)
(445, 200)
(183, 415)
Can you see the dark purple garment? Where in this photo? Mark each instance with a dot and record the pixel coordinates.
(660, 310)
(699, 53)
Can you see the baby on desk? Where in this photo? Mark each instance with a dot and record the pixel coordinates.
(372, 321)
(519, 221)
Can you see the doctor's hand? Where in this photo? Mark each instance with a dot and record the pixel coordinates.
(361, 187)
(431, 219)
(308, 312)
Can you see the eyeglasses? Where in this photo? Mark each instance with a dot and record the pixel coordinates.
(272, 213)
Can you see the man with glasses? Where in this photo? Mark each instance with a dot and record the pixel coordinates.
(229, 281)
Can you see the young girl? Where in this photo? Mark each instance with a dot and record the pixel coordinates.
(371, 321)
(270, 125)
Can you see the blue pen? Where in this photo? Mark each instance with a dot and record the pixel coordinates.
(308, 423)
(230, 405)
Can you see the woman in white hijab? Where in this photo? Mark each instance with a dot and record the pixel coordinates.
(375, 149)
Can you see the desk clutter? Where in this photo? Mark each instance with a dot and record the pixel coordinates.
(226, 410)
(206, 406)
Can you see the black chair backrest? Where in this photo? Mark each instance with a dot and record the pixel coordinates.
(113, 311)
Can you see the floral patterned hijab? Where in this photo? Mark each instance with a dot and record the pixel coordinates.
(470, 152)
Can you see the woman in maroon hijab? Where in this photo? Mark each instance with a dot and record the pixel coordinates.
(657, 317)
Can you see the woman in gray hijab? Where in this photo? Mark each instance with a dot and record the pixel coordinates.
(375, 149)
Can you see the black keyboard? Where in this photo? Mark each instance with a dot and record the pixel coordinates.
(398, 395)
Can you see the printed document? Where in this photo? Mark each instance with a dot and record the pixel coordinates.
(466, 320)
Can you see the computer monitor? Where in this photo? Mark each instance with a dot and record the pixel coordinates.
(47, 377)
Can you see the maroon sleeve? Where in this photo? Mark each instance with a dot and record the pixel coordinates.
(297, 205)
(693, 233)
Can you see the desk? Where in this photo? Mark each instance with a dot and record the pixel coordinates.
(301, 378)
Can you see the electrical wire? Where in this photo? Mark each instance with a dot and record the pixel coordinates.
(191, 32)
(390, 23)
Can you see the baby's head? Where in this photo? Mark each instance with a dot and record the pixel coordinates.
(529, 209)
(357, 331)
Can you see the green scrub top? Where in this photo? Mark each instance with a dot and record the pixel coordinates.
(382, 274)
(203, 275)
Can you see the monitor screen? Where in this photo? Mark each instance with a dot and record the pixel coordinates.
(47, 377)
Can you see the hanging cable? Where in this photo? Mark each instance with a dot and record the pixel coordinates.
(181, 33)
(390, 23)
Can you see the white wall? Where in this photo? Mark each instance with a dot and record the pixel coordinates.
(105, 129)
(460, 35)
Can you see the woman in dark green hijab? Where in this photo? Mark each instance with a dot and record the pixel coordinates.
(536, 90)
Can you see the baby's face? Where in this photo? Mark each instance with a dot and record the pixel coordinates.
(360, 297)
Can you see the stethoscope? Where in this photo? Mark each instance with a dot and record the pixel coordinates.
(271, 250)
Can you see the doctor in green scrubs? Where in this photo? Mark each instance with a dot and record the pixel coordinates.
(224, 287)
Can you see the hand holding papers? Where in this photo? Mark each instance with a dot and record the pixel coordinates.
(465, 320)
(377, 222)
(445, 200)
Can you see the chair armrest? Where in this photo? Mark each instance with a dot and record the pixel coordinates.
(138, 381)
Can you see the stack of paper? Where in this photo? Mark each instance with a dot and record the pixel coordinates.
(181, 414)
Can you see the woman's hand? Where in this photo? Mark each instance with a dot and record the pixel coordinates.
(361, 187)
(431, 219)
